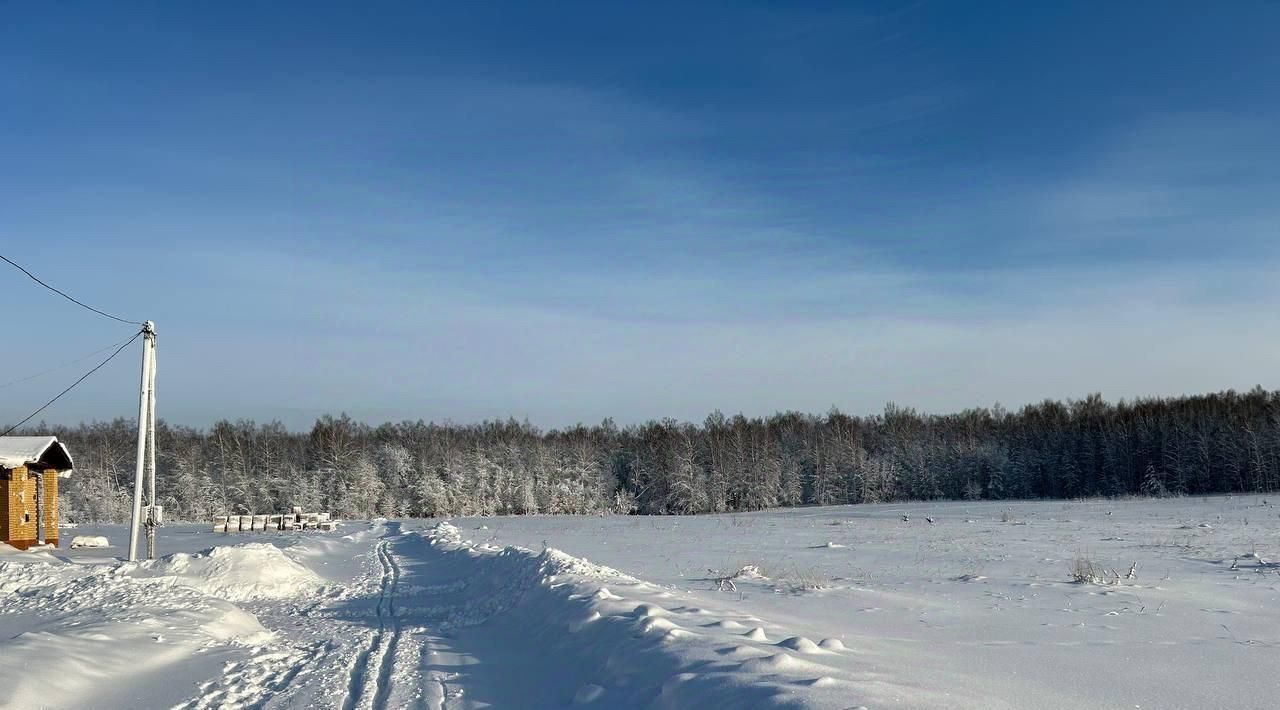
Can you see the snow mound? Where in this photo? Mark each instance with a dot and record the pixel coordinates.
(555, 562)
(445, 532)
(236, 573)
(750, 572)
(756, 634)
(89, 623)
(89, 541)
(31, 554)
(799, 644)
(831, 645)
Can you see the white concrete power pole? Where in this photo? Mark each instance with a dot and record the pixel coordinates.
(152, 518)
(146, 441)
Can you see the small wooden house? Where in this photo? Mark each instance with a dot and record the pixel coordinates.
(30, 467)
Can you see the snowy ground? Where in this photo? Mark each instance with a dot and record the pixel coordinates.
(838, 607)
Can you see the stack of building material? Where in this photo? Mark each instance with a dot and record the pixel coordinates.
(295, 520)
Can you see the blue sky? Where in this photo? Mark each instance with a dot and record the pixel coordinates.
(636, 210)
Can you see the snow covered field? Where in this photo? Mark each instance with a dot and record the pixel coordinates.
(836, 607)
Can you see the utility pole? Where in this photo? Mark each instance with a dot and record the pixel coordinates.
(152, 519)
(146, 439)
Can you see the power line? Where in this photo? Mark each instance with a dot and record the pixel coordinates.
(55, 368)
(73, 384)
(60, 293)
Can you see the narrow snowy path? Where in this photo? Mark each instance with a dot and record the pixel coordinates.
(418, 654)
(463, 625)
(437, 622)
(373, 665)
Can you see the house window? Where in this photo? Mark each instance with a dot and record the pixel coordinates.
(26, 517)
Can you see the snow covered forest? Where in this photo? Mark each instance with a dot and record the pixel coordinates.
(1217, 443)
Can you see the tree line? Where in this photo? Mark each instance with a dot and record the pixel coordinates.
(1226, 442)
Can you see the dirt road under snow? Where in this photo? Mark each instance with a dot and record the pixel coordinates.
(920, 606)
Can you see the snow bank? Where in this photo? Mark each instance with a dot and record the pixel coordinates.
(592, 636)
(89, 541)
(236, 572)
(96, 627)
(33, 553)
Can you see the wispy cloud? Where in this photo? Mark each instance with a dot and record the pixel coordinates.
(1175, 185)
(754, 209)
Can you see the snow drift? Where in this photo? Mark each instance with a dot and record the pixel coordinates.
(247, 572)
(91, 625)
(589, 635)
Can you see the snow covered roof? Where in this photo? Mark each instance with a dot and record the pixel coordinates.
(47, 451)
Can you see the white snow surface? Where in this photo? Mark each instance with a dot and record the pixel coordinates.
(18, 451)
(90, 541)
(838, 607)
(84, 636)
(236, 573)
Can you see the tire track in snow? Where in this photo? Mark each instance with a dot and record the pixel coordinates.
(383, 687)
(357, 679)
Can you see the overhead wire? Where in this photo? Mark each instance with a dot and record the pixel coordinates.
(73, 384)
(33, 277)
(55, 368)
